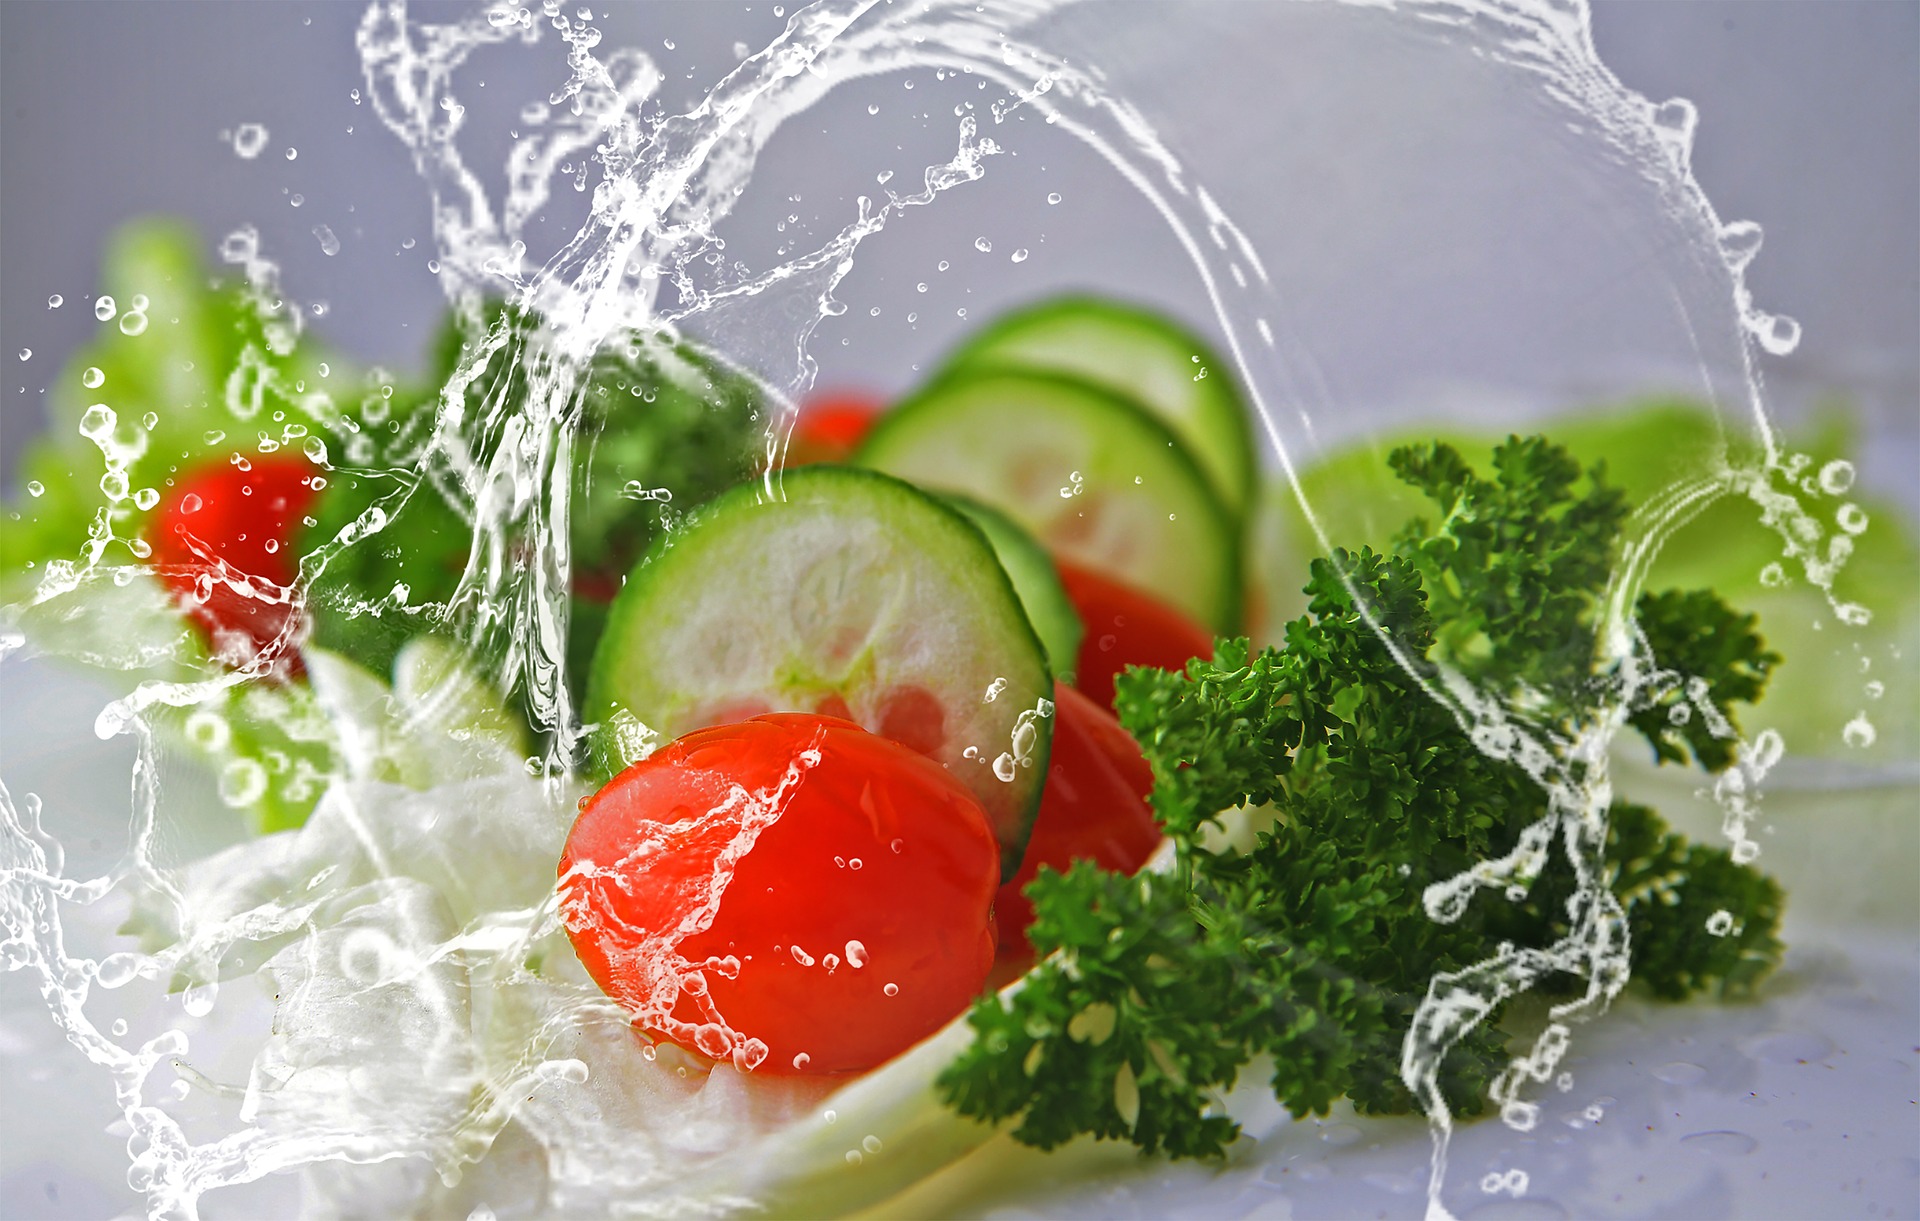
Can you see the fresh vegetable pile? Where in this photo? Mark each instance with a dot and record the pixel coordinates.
(916, 722)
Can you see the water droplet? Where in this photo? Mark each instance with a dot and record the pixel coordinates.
(920, 287)
(1836, 477)
(292, 153)
(150, 421)
(1004, 767)
(870, 1143)
(883, 177)
(1876, 689)
(297, 199)
(983, 245)
(854, 1157)
(1777, 333)
(891, 990)
(36, 488)
(873, 108)
(898, 846)
(329, 244)
(800, 956)
(801, 1059)
(1859, 732)
(145, 499)
(433, 266)
(248, 140)
(133, 322)
(1720, 923)
(944, 265)
(1680, 1072)
(1773, 576)
(856, 955)
(830, 1115)
(26, 353)
(56, 301)
(1726, 1144)
(1788, 1047)
(119, 1028)
(1739, 242)
(92, 379)
(242, 782)
(104, 309)
(97, 422)
(1053, 197)
(1020, 255)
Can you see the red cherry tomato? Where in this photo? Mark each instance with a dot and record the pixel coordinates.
(1094, 808)
(858, 915)
(224, 525)
(831, 427)
(1125, 627)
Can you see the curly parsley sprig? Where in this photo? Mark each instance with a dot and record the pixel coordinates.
(1314, 947)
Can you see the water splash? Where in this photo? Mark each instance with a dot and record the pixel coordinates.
(361, 914)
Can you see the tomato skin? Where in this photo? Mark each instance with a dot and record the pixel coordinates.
(875, 847)
(1125, 627)
(831, 426)
(1094, 808)
(245, 519)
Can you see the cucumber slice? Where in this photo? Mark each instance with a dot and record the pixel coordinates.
(857, 595)
(1165, 367)
(1090, 474)
(1035, 579)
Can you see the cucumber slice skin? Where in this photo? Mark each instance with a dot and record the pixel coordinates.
(780, 605)
(1140, 354)
(1042, 594)
(1014, 440)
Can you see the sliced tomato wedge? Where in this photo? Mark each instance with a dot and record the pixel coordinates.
(790, 891)
(1125, 627)
(223, 541)
(1094, 809)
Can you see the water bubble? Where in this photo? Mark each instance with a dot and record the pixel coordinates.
(1513, 1183)
(329, 244)
(26, 353)
(35, 488)
(292, 153)
(150, 421)
(297, 199)
(1836, 477)
(1859, 732)
(1053, 197)
(1020, 255)
(1680, 1072)
(983, 245)
(104, 308)
(248, 140)
(56, 301)
(891, 990)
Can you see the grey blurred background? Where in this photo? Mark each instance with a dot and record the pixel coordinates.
(1810, 124)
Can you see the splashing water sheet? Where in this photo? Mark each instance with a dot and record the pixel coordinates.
(1441, 214)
